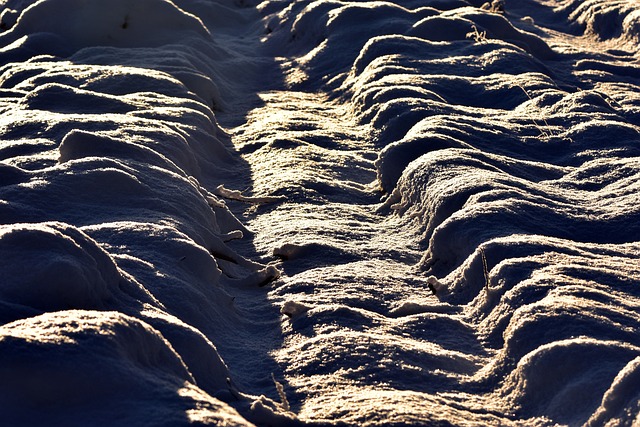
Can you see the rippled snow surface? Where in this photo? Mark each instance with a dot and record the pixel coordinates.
(365, 213)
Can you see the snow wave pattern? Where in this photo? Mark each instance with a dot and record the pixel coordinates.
(520, 181)
(113, 290)
(506, 151)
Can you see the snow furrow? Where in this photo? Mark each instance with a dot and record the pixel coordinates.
(319, 212)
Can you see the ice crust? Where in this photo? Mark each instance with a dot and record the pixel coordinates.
(441, 222)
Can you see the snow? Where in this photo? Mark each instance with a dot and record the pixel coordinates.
(319, 212)
(107, 367)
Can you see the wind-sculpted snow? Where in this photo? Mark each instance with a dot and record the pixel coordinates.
(605, 20)
(79, 358)
(450, 190)
(114, 247)
(519, 181)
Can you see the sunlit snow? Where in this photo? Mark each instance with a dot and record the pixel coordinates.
(363, 213)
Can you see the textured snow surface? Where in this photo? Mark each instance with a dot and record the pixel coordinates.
(320, 212)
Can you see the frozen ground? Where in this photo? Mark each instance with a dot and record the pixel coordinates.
(320, 212)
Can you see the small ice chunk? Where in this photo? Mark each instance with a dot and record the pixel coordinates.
(294, 308)
(221, 191)
(435, 285)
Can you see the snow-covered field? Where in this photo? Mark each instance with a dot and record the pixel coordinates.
(289, 212)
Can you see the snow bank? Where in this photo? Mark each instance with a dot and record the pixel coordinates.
(56, 267)
(143, 23)
(326, 37)
(606, 20)
(117, 269)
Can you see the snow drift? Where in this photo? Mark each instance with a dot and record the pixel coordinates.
(519, 182)
(108, 142)
(449, 188)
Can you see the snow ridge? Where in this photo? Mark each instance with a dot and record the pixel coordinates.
(113, 248)
(438, 223)
(518, 182)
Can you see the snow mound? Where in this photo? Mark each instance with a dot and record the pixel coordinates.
(606, 20)
(57, 366)
(58, 267)
(143, 23)
(621, 400)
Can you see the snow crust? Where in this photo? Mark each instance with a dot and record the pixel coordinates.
(319, 212)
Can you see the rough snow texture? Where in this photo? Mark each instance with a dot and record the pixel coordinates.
(450, 189)
(509, 154)
(109, 144)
